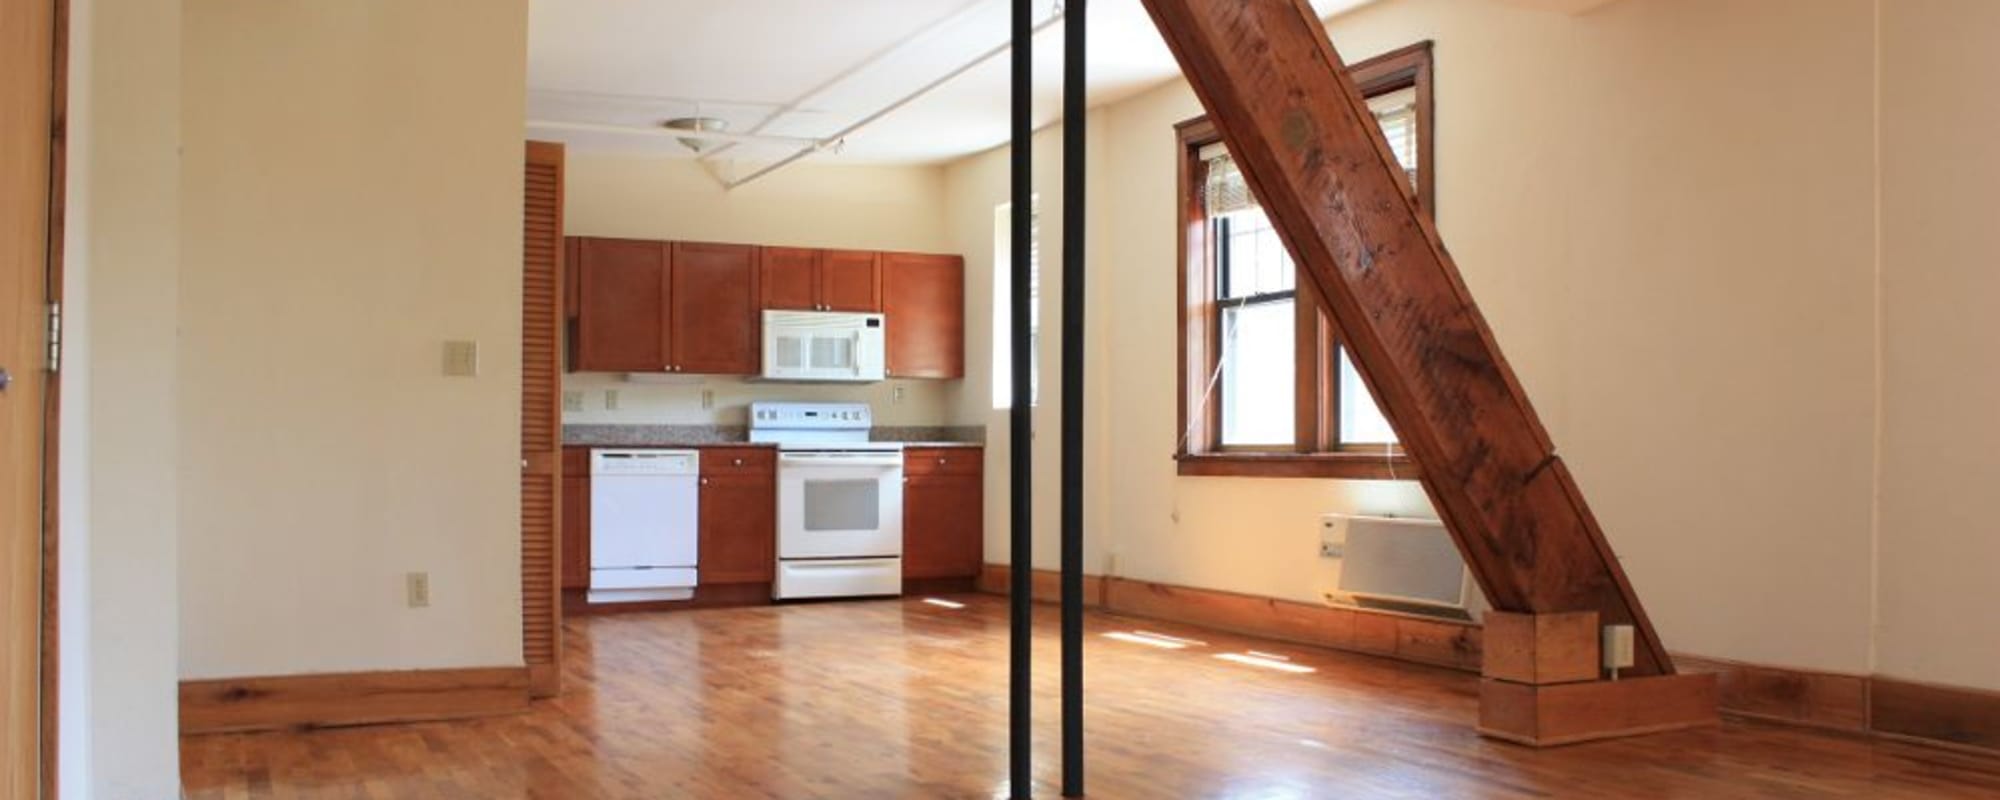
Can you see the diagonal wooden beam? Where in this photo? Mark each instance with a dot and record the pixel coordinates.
(1297, 126)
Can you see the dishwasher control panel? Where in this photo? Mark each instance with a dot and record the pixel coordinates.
(645, 462)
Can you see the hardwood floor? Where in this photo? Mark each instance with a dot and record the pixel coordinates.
(904, 699)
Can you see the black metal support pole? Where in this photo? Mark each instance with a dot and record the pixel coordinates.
(1021, 563)
(1072, 398)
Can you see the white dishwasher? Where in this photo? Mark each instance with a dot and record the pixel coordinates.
(643, 510)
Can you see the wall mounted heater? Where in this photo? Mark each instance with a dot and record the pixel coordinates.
(1397, 560)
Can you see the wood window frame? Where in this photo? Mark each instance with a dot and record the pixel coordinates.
(1316, 451)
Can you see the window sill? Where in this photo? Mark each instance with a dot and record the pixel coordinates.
(1348, 466)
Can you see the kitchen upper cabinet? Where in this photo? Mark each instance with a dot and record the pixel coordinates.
(944, 516)
(802, 279)
(850, 280)
(923, 301)
(713, 317)
(739, 515)
(623, 290)
(789, 277)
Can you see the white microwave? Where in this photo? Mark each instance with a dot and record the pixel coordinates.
(823, 346)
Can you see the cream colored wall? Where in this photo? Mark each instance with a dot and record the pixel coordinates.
(119, 482)
(1679, 268)
(352, 197)
(977, 188)
(804, 205)
(1940, 440)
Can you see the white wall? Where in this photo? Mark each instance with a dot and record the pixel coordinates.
(118, 483)
(1679, 268)
(804, 205)
(352, 200)
(978, 186)
(1940, 441)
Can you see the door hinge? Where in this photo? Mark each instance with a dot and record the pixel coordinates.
(55, 337)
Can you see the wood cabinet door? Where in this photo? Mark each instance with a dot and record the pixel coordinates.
(944, 523)
(622, 304)
(714, 320)
(923, 300)
(576, 528)
(850, 280)
(739, 518)
(789, 278)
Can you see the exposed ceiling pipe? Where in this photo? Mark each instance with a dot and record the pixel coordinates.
(927, 88)
(874, 58)
(675, 133)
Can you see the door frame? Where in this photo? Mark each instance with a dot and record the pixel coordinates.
(58, 191)
(50, 17)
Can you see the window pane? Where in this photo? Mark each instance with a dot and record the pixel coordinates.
(1257, 390)
(1361, 422)
(1255, 258)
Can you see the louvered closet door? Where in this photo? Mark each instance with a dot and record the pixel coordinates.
(541, 417)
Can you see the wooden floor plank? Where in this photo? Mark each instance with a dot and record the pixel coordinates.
(902, 699)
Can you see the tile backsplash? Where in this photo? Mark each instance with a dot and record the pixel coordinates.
(610, 399)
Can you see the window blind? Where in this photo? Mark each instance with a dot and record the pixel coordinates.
(1224, 190)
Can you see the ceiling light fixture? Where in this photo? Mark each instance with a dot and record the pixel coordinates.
(696, 125)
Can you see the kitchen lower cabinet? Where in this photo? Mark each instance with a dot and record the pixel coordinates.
(944, 514)
(575, 532)
(739, 515)
(737, 524)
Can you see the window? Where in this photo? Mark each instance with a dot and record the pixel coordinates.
(1003, 337)
(1267, 387)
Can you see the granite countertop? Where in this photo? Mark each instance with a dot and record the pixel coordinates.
(587, 435)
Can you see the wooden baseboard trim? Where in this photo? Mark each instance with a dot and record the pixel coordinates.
(1826, 700)
(995, 579)
(291, 702)
(544, 680)
(1952, 716)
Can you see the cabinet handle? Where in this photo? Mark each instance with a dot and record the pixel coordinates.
(940, 461)
(704, 481)
(739, 462)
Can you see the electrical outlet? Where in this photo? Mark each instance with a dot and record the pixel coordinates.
(896, 395)
(461, 358)
(572, 401)
(417, 586)
(708, 398)
(611, 399)
(1617, 648)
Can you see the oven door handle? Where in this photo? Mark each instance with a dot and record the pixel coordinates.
(842, 459)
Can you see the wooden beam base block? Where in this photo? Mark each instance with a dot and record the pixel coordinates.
(1542, 649)
(1546, 716)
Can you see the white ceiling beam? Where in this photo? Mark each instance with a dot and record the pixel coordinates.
(675, 133)
(843, 133)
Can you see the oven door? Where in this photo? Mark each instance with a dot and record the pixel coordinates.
(834, 504)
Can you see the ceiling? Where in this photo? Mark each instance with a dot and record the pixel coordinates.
(810, 68)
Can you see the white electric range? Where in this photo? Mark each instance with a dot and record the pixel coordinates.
(840, 500)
